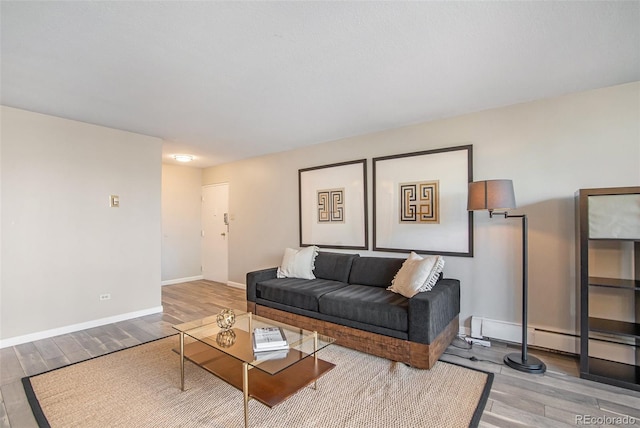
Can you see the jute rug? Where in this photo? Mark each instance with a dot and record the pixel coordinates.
(139, 387)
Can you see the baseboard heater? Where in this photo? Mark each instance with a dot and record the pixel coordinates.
(563, 341)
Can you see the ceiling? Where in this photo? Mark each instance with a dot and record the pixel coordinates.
(230, 80)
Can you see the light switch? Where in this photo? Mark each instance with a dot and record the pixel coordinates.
(114, 201)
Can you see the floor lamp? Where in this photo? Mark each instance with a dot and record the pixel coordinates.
(498, 195)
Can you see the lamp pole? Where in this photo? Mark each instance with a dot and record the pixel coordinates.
(523, 362)
(525, 284)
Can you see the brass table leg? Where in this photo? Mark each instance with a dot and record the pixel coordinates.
(181, 361)
(245, 380)
(315, 356)
(245, 391)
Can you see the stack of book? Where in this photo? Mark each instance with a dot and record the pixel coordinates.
(269, 343)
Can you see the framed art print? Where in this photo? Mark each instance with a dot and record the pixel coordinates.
(333, 205)
(420, 202)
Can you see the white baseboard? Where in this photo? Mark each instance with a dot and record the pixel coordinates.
(181, 280)
(565, 341)
(199, 277)
(557, 341)
(237, 285)
(18, 340)
(512, 332)
(503, 330)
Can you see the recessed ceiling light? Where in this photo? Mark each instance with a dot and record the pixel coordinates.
(183, 158)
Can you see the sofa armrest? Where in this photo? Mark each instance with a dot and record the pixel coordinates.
(255, 277)
(431, 311)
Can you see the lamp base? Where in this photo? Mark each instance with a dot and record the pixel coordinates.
(531, 365)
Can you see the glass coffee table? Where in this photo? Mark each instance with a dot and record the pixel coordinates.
(228, 354)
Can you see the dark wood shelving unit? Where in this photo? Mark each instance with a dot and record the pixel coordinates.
(596, 281)
(621, 333)
(613, 373)
(621, 328)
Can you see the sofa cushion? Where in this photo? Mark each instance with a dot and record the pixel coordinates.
(417, 274)
(300, 293)
(298, 263)
(376, 271)
(366, 304)
(404, 335)
(334, 266)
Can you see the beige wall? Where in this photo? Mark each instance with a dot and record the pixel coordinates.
(181, 222)
(62, 245)
(550, 148)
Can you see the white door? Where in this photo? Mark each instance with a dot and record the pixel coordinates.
(215, 232)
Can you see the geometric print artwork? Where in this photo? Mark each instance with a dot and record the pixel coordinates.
(331, 206)
(419, 202)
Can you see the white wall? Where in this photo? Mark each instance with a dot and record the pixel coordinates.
(62, 245)
(181, 223)
(550, 148)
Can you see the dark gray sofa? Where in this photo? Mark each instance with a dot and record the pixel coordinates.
(348, 300)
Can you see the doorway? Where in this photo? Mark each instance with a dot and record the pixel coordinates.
(215, 232)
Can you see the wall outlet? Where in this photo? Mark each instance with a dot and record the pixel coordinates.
(106, 296)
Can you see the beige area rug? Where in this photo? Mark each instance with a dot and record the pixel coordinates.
(139, 387)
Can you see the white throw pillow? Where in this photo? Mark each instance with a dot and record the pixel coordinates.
(417, 274)
(298, 263)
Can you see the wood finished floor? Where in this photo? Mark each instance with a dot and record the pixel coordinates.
(554, 399)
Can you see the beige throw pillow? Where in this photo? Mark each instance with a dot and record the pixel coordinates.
(298, 263)
(417, 274)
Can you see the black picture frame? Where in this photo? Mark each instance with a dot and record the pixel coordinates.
(349, 229)
(452, 235)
